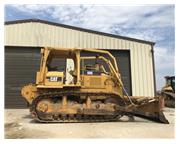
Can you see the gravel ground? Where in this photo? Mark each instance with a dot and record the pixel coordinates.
(19, 125)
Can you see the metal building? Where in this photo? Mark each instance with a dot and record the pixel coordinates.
(24, 39)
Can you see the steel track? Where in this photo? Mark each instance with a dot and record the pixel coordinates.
(58, 117)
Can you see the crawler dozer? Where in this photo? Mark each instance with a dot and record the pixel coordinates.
(71, 87)
(168, 91)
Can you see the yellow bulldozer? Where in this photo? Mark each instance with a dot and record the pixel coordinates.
(84, 92)
(168, 91)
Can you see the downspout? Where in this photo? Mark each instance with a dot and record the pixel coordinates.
(154, 75)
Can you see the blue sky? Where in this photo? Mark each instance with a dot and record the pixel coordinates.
(148, 22)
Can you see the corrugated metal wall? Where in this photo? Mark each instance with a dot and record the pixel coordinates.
(39, 34)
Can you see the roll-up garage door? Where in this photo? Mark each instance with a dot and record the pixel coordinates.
(21, 64)
(123, 62)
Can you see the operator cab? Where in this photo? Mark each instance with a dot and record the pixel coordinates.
(170, 82)
(69, 67)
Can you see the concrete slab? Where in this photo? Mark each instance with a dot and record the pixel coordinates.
(19, 124)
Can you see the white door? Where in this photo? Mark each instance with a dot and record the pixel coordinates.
(69, 67)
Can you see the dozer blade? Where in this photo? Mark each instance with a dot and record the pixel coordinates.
(149, 108)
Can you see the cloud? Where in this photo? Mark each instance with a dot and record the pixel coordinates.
(89, 15)
(164, 59)
(148, 22)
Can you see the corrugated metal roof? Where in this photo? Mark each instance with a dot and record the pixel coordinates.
(78, 28)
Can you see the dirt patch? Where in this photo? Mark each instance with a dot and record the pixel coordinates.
(18, 131)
